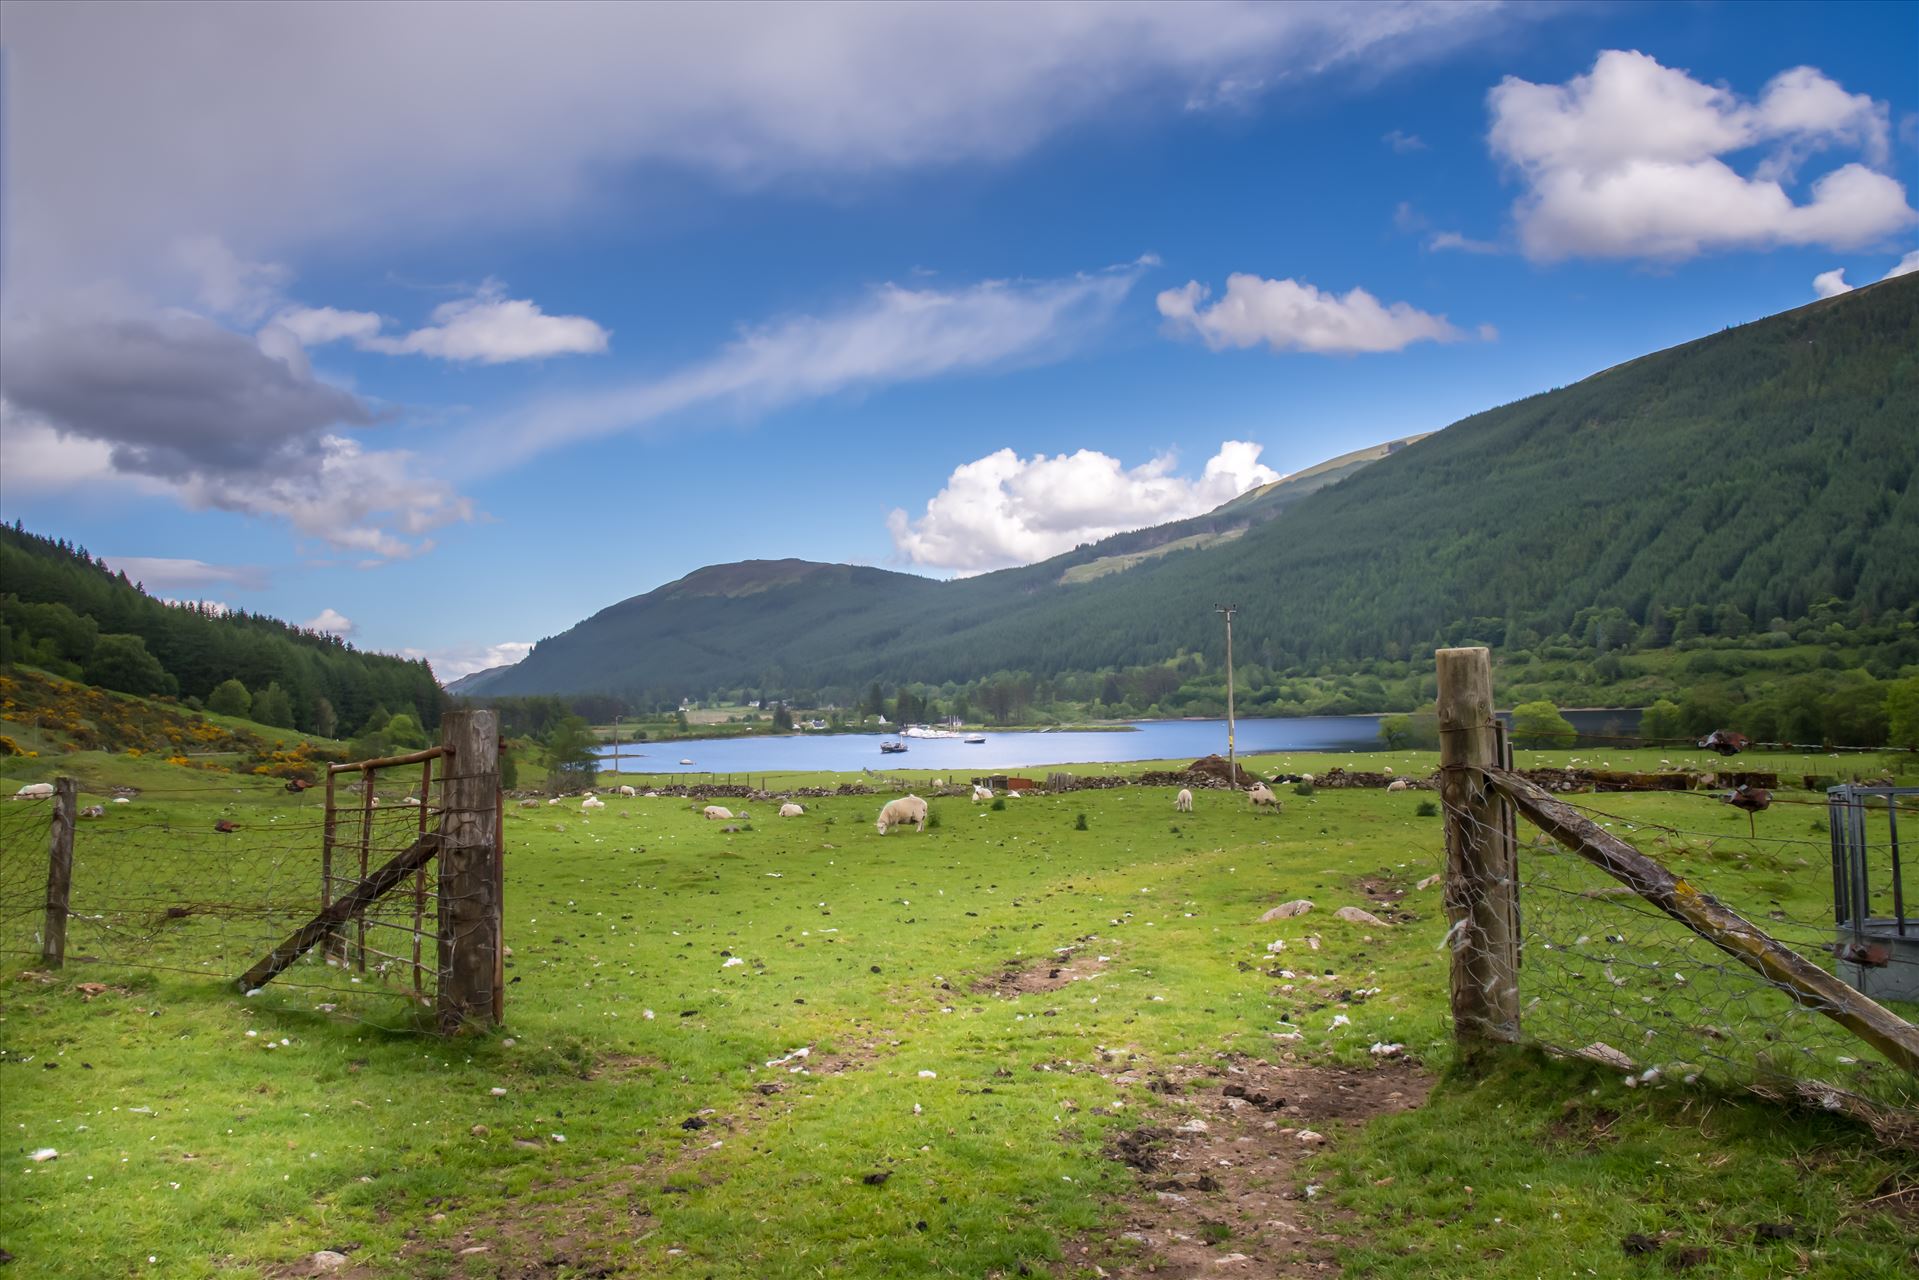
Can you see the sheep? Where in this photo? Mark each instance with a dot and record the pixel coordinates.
(1261, 794)
(717, 811)
(791, 810)
(34, 791)
(94, 811)
(121, 800)
(628, 792)
(1183, 802)
(1399, 784)
(591, 803)
(981, 793)
(1011, 794)
(1306, 778)
(898, 813)
(529, 804)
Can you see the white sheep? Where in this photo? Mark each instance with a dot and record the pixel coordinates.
(628, 792)
(791, 810)
(1306, 778)
(591, 803)
(1011, 794)
(1399, 784)
(1183, 802)
(1262, 794)
(716, 811)
(898, 813)
(982, 793)
(411, 802)
(34, 791)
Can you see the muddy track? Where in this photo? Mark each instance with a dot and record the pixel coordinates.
(1220, 1168)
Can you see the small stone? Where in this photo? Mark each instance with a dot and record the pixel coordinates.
(1310, 1138)
(326, 1260)
(1428, 882)
(1353, 915)
(1287, 910)
(1192, 1126)
(480, 1131)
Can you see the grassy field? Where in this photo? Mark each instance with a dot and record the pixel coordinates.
(626, 1120)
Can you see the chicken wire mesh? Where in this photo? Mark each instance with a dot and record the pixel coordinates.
(1606, 975)
(186, 889)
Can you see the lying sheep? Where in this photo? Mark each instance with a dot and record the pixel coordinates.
(34, 791)
(591, 803)
(898, 813)
(717, 811)
(1183, 801)
(791, 810)
(1262, 794)
(982, 793)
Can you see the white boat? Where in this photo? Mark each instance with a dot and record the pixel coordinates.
(926, 731)
(974, 739)
(683, 760)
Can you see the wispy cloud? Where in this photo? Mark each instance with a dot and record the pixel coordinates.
(891, 335)
(1403, 142)
(159, 573)
(486, 328)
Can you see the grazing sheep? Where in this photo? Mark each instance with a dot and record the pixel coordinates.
(591, 803)
(1399, 784)
(898, 813)
(34, 791)
(982, 793)
(628, 792)
(1262, 794)
(717, 811)
(791, 810)
(1183, 801)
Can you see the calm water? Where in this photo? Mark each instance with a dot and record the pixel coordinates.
(1143, 740)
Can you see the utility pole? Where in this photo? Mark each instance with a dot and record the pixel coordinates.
(1232, 753)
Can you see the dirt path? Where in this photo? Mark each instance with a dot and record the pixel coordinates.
(1222, 1187)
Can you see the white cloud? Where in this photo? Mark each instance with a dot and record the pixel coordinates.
(330, 622)
(488, 327)
(1291, 315)
(1626, 162)
(1003, 509)
(137, 125)
(1830, 284)
(492, 329)
(158, 573)
(450, 664)
(1403, 142)
(226, 283)
(893, 334)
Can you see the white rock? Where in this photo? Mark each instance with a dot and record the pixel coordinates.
(326, 1260)
(1310, 1138)
(1354, 915)
(1287, 910)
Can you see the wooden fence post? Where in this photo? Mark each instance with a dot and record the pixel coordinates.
(53, 937)
(469, 881)
(1482, 860)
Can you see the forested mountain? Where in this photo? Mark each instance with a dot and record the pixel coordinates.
(63, 610)
(1734, 483)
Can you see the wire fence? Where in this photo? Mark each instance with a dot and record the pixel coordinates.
(209, 888)
(1605, 974)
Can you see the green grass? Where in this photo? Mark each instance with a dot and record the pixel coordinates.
(185, 1140)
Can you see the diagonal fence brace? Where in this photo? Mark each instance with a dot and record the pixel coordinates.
(350, 904)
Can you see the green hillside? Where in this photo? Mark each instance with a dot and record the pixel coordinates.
(1732, 485)
(65, 612)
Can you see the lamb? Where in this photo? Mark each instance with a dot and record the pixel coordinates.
(1183, 802)
(34, 791)
(898, 813)
(982, 793)
(791, 810)
(1261, 794)
(717, 811)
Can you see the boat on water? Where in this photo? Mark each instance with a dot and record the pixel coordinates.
(684, 760)
(892, 748)
(926, 731)
(974, 739)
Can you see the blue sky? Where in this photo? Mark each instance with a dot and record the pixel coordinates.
(448, 328)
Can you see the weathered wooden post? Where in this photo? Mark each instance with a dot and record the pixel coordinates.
(53, 937)
(1482, 861)
(469, 879)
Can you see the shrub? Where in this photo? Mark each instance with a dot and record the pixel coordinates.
(1303, 788)
(1427, 809)
(229, 698)
(1080, 823)
(999, 802)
